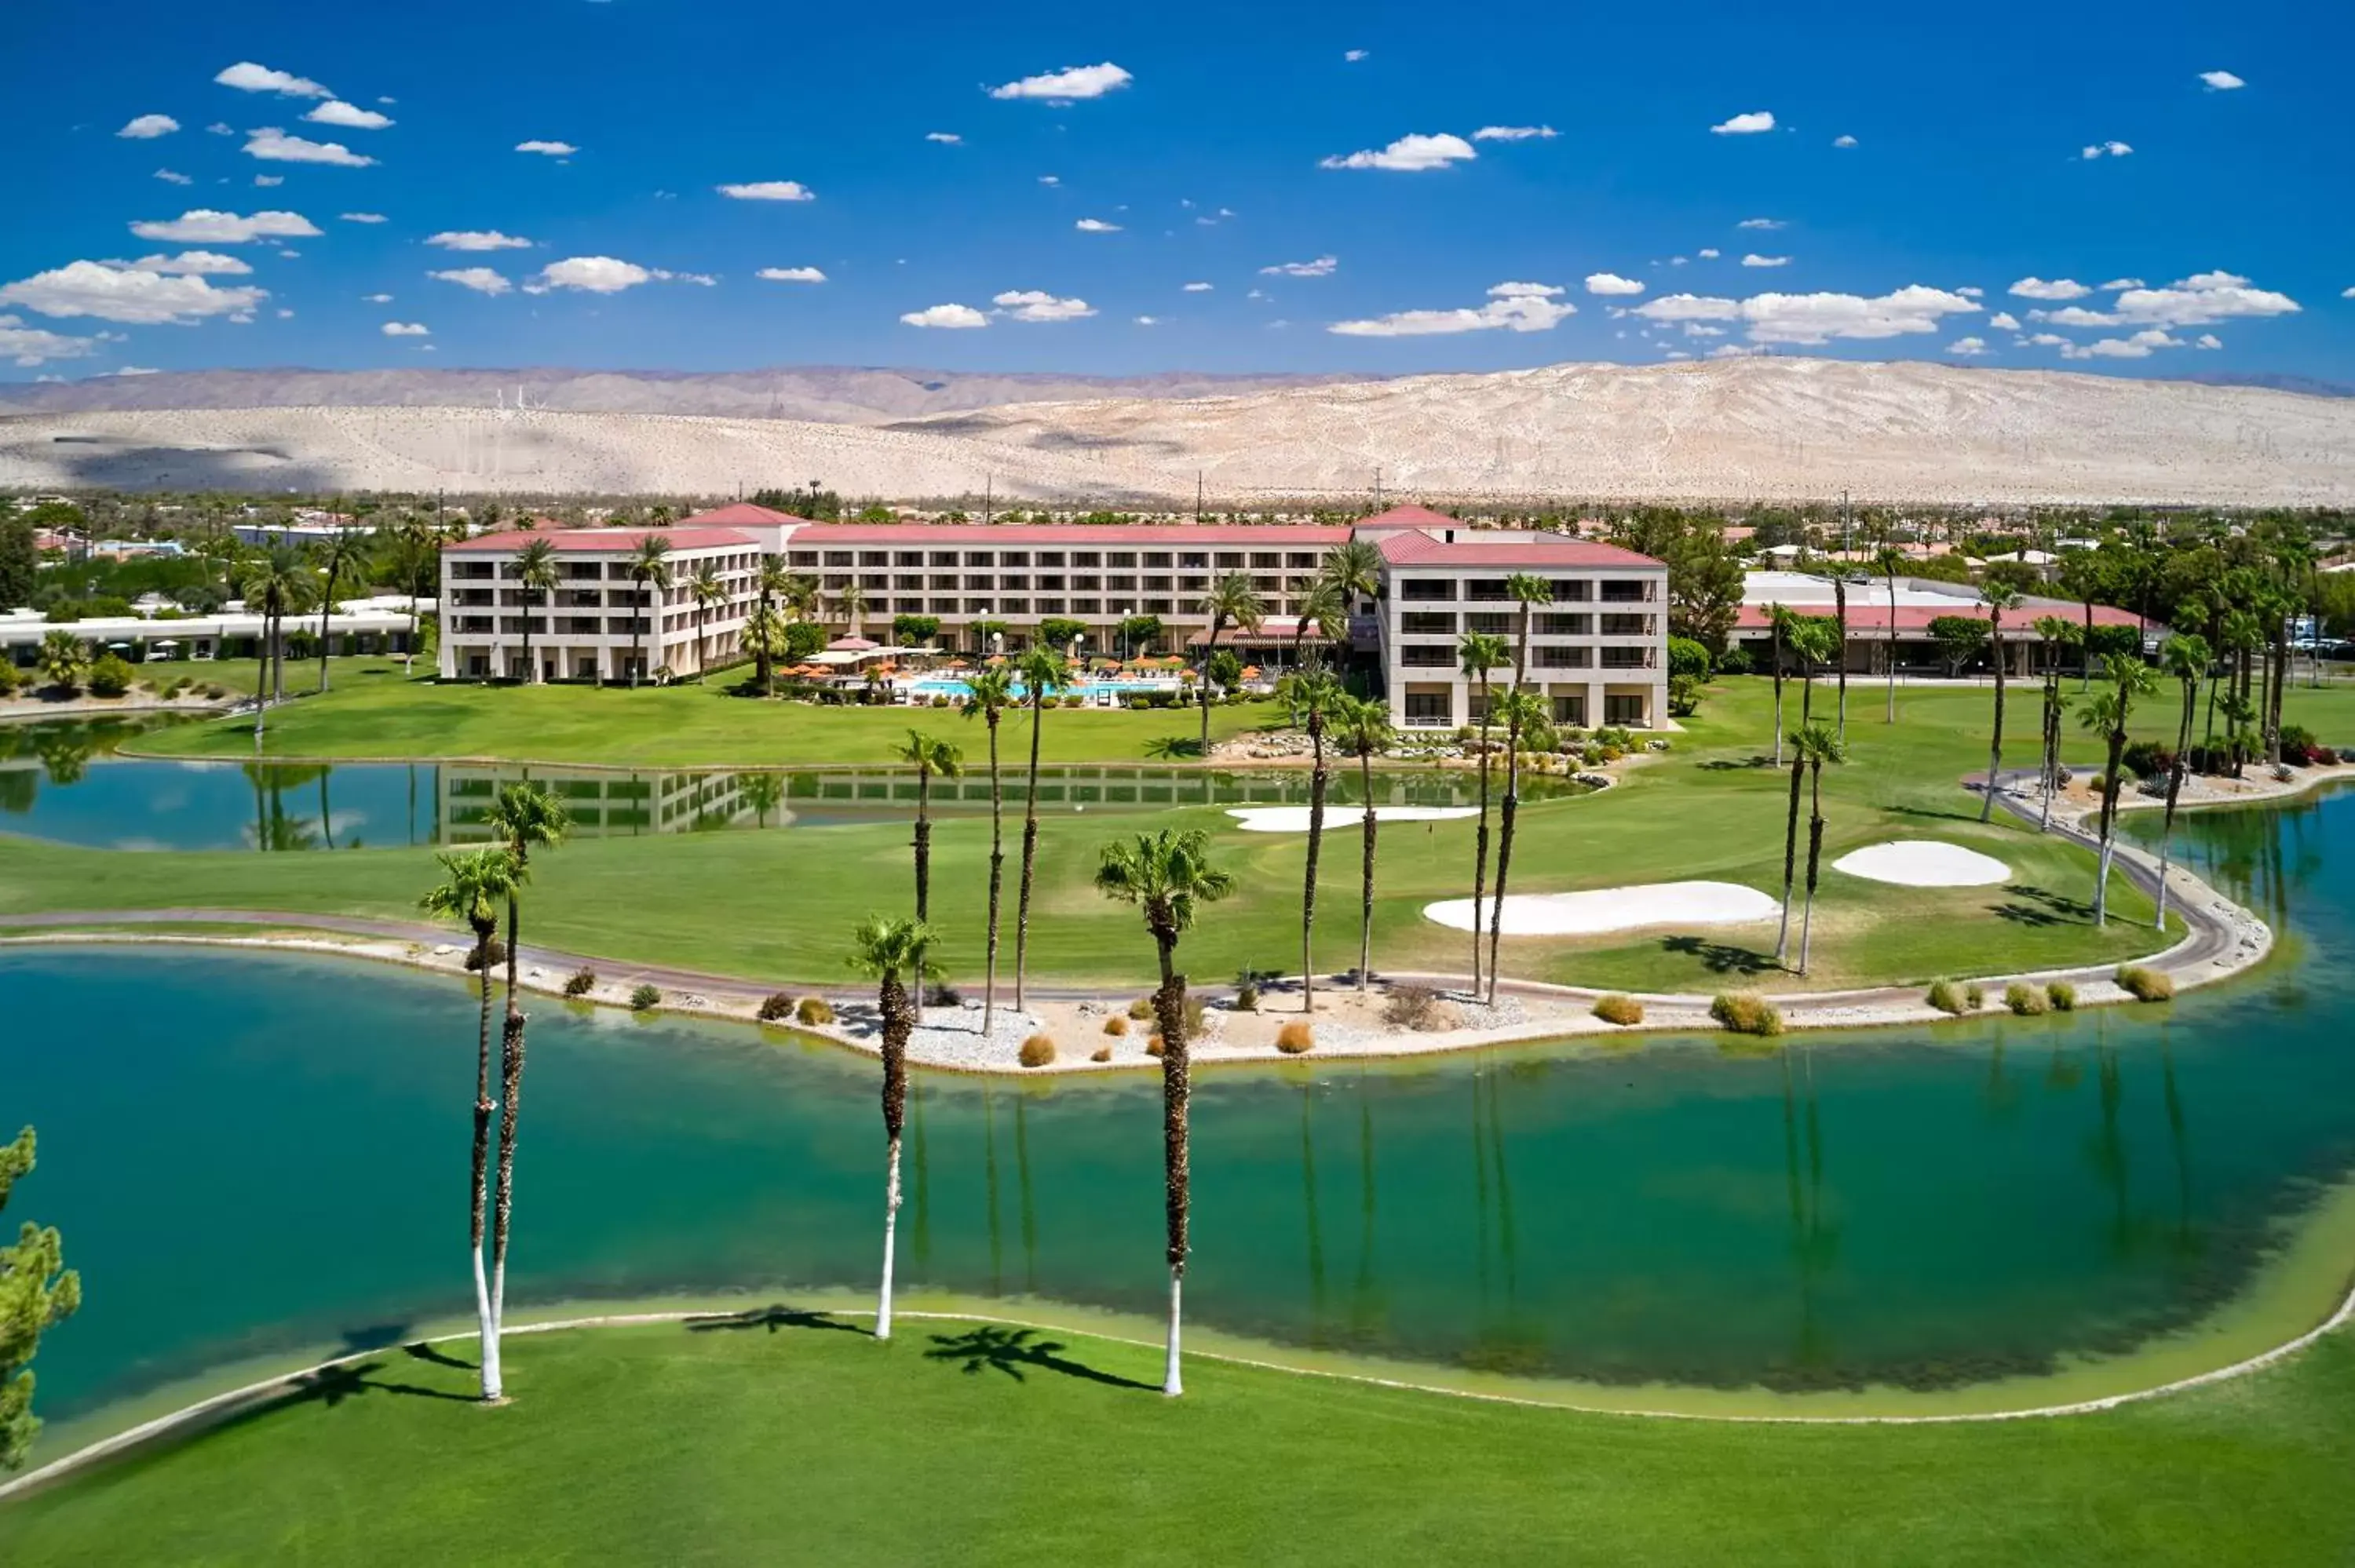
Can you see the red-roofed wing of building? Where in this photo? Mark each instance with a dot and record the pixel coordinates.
(1485, 551)
(574, 541)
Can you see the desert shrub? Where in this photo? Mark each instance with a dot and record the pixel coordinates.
(215, 692)
(814, 1010)
(1295, 1037)
(776, 1007)
(1038, 1051)
(644, 997)
(1619, 1009)
(1742, 1014)
(1247, 991)
(110, 677)
(2297, 737)
(2143, 983)
(1141, 1009)
(1734, 661)
(580, 982)
(8, 677)
(490, 955)
(1946, 997)
(1116, 1026)
(1414, 1007)
(1072, 700)
(938, 995)
(2062, 996)
(2149, 759)
(1101, 1054)
(2024, 1000)
(1154, 1047)
(1975, 996)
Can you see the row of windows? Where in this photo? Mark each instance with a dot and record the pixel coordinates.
(1023, 582)
(1441, 623)
(1568, 708)
(1493, 590)
(1200, 560)
(1546, 656)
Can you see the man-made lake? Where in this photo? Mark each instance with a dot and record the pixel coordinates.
(61, 780)
(257, 1153)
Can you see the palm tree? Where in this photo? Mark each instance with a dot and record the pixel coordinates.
(534, 575)
(2057, 634)
(851, 600)
(1811, 637)
(707, 590)
(929, 756)
(342, 551)
(1790, 851)
(474, 883)
(800, 593)
(2109, 713)
(2000, 597)
(1043, 672)
(650, 569)
(1169, 875)
(1323, 610)
(1232, 602)
(274, 585)
(1355, 570)
(1888, 560)
(64, 662)
(888, 947)
(1841, 574)
(2185, 656)
(412, 558)
(523, 817)
(1310, 694)
(1361, 728)
(1524, 713)
(1778, 626)
(1815, 746)
(772, 578)
(989, 692)
(1478, 652)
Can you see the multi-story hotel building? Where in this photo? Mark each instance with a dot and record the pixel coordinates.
(1599, 649)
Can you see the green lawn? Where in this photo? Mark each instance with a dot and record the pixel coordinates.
(799, 1444)
(775, 906)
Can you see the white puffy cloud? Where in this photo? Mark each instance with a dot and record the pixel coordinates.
(1708, 253)
(1968, 347)
(1321, 268)
(193, 262)
(2348, 293)
(268, 180)
(2004, 320)
(945, 138)
(2052, 289)
(1070, 82)
(790, 274)
(1050, 179)
(1096, 225)
(174, 177)
(1205, 288)
(477, 239)
(2201, 300)
(271, 144)
(1353, 56)
(1036, 305)
(405, 329)
(2106, 149)
(1149, 320)
(1815, 319)
(1612, 283)
(1514, 132)
(548, 149)
(2208, 340)
(1409, 155)
(1512, 307)
(1970, 292)
(1748, 124)
(21, 344)
(1754, 259)
(378, 299)
(147, 127)
(2141, 346)
(1843, 141)
(1768, 223)
(595, 275)
(482, 279)
(221, 127)
(114, 292)
(351, 116)
(951, 317)
(2222, 81)
(769, 190)
(362, 216)
(248, 77)
(2116, 283)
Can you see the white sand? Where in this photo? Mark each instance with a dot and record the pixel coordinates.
(1295, 819)
(1923, 863)
(1613, 908)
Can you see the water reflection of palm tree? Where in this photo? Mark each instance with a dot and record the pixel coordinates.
(989, 1182)
(1365, 1307)
(327, 815)
(2179, 1139)
(924, 1238)
(762, 792)
(1029, 1210)
(1815, 1245)
(2108, 1148)
(2001, 1094)
(65, 754)
(1315, 1229)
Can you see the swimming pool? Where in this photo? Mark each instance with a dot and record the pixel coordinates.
(1093, 691)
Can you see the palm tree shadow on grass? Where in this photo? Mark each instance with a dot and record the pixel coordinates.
(2039, 906)
(993, 1346)
(1719, 957)
(771, 1317)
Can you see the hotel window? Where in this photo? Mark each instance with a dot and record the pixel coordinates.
(908, 558)
(1230, 560)
(1427, 656)
(839, 558)
(1015, 606)
(1158, 558)
(1267, 587)
(1564, 657)
(1086, 607)
(943, 558)
(944, 580)
(1193, 585)
(1088, 584)
(1626, 592)
(1494, 624)
(1087, 559)
(1192, 560)
(1426, 590)
(1261, 560)
(1623, 711)
(980, 581)
(1156, 585)
(904, 584)
(1570, 709)
(1301, 560)
(1120, 585)
(1427, 623)
(1626, 626)
(1626, 658)
(874, 582)
(981, 557)
(1572, 591)
(1155, 607)
(1014, 558)
(1430, 707)
(1565, 625)
(1051, 606)
(474, 571)
(1484, 590)
(1120, 559)
(944, 606)
(1051, 558)
(795, 557)
(1048, 582)
(874, 558)
(981, 606)
(1015, 580)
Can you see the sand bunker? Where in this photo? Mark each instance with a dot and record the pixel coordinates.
(1923, 863)
(1615, 909)
(1295, 819)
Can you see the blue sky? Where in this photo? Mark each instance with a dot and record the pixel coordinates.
(1201, 141)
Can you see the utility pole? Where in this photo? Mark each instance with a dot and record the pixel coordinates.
(1378, 487)
(1197, 497)
(988, 497)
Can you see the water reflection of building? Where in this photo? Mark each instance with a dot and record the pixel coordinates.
(605, 805)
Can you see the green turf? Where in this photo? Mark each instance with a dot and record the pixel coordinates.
(776, 905)
(806, 1445)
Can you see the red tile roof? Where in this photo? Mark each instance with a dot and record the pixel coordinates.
(576, 541)
(1207, 536)
(1414, 547)
(1408, 517)
(1863, 621)
(737, 514)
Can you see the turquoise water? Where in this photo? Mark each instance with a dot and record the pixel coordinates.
(61, 781)
(247, 1154)
(1093, 690)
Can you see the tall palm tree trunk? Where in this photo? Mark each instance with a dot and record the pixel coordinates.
(1994, 746)
(503, 1195)
(1316, 782)
(327, 609)
(1365, 896)
(2051, 741)
(478, 1188)
(2109, 821)
(923, 847)
(1892, 717)
(260, 679)
(1209, 650)
(530, 670)
(996, 878)
(1480, 840)
(1815, 858)
(1839, 608)
(1510, 809)
(2274, 695)
(2174, 790)
(1775, 653)
(1030, 853)
(1790, 861)
(899, 1022)
(1169, 1009)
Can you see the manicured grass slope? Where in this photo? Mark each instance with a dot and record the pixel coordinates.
(662, 1444)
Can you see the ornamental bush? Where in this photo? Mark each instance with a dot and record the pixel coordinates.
(1948, 997)
(2062, 996)
(580, 982)
(1620, 1010)
(1739, 1012)
(777, 1008)
(2143, 983)
(814, 1010)
(1294, 1038)
(1115, 1026)
(2024, 1000)
(1038, 1051)
(644, 997)
(111, 677)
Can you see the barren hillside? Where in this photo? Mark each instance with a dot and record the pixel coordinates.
(1725, 429)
